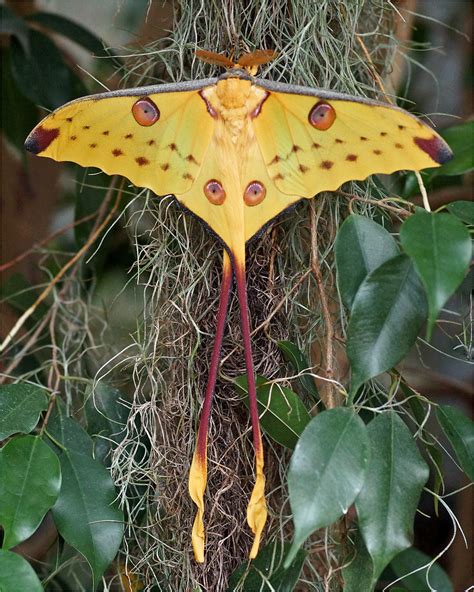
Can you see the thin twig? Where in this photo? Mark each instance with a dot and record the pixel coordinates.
(316, 269)
(44, 294)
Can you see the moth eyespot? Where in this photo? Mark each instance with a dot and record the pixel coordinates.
(214, 192)
(254, 193)
(322, 116)
(145, 112)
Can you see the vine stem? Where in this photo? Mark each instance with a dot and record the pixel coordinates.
(316, 269)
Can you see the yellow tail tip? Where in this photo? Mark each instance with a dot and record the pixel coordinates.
(197, 487)
(257, 508)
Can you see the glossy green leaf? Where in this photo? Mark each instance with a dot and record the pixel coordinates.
(73, 31)
(299, 363)
(464, 210)
(18, 114)
(461, 141)
(327, 471)
(395, 477)
(412, 559)
(11, 24)
(43, 76)
(266, 572)
(20, 407)
(358, 574)
(361, 246)
(387, 315)
(86, 513)
(440, 247)
(283, 416)
(106, 412)
(68, 432)
(30, 479)
(459, 430)
(16, 574)
(106, 415)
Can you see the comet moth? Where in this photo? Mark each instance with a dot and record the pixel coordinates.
(236, 151)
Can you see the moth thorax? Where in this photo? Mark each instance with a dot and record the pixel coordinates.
(233, 92)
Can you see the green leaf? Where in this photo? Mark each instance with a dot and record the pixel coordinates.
(266, 572)
(464, 210)
(440, 248)
(86, 514)
(283, 416)
(361, 246)
(30, 479)
(387, 315)
(43, 76)
(18, 114)
(387, 503)
(16, 574)
(13, 25)
(461, 141)
(412, 559)
(297, 360)
(20, 407)
(358, 574)
(68, 432)
(459, 430)
(106, 417)
(327, 471)
(69, 29)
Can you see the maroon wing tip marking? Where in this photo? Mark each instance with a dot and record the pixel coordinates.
(436, 148)
(40, 138)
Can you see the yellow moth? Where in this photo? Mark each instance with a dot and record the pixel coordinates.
(236, 151)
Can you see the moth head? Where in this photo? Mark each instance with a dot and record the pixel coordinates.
(247, 61)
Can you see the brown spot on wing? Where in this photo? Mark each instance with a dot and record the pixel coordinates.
(117, 152)
(40, 138)
(106, 133)
(94, 145)
(295, 148)
(142, 161)
(401, 127)
(326, 164)
(128, 136)
(316, 145)
(86, 127)
(398, 145)
(73, 138)
(339, 141)
(303, 169)
(278, 177)
(172, 146)
(188, 176)
(69, 119)
(151, 142)
(351, 157)
(275, 159)
(165, 166)
(383, 134)
(377, 152)
(190, 158)
(363, 138)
